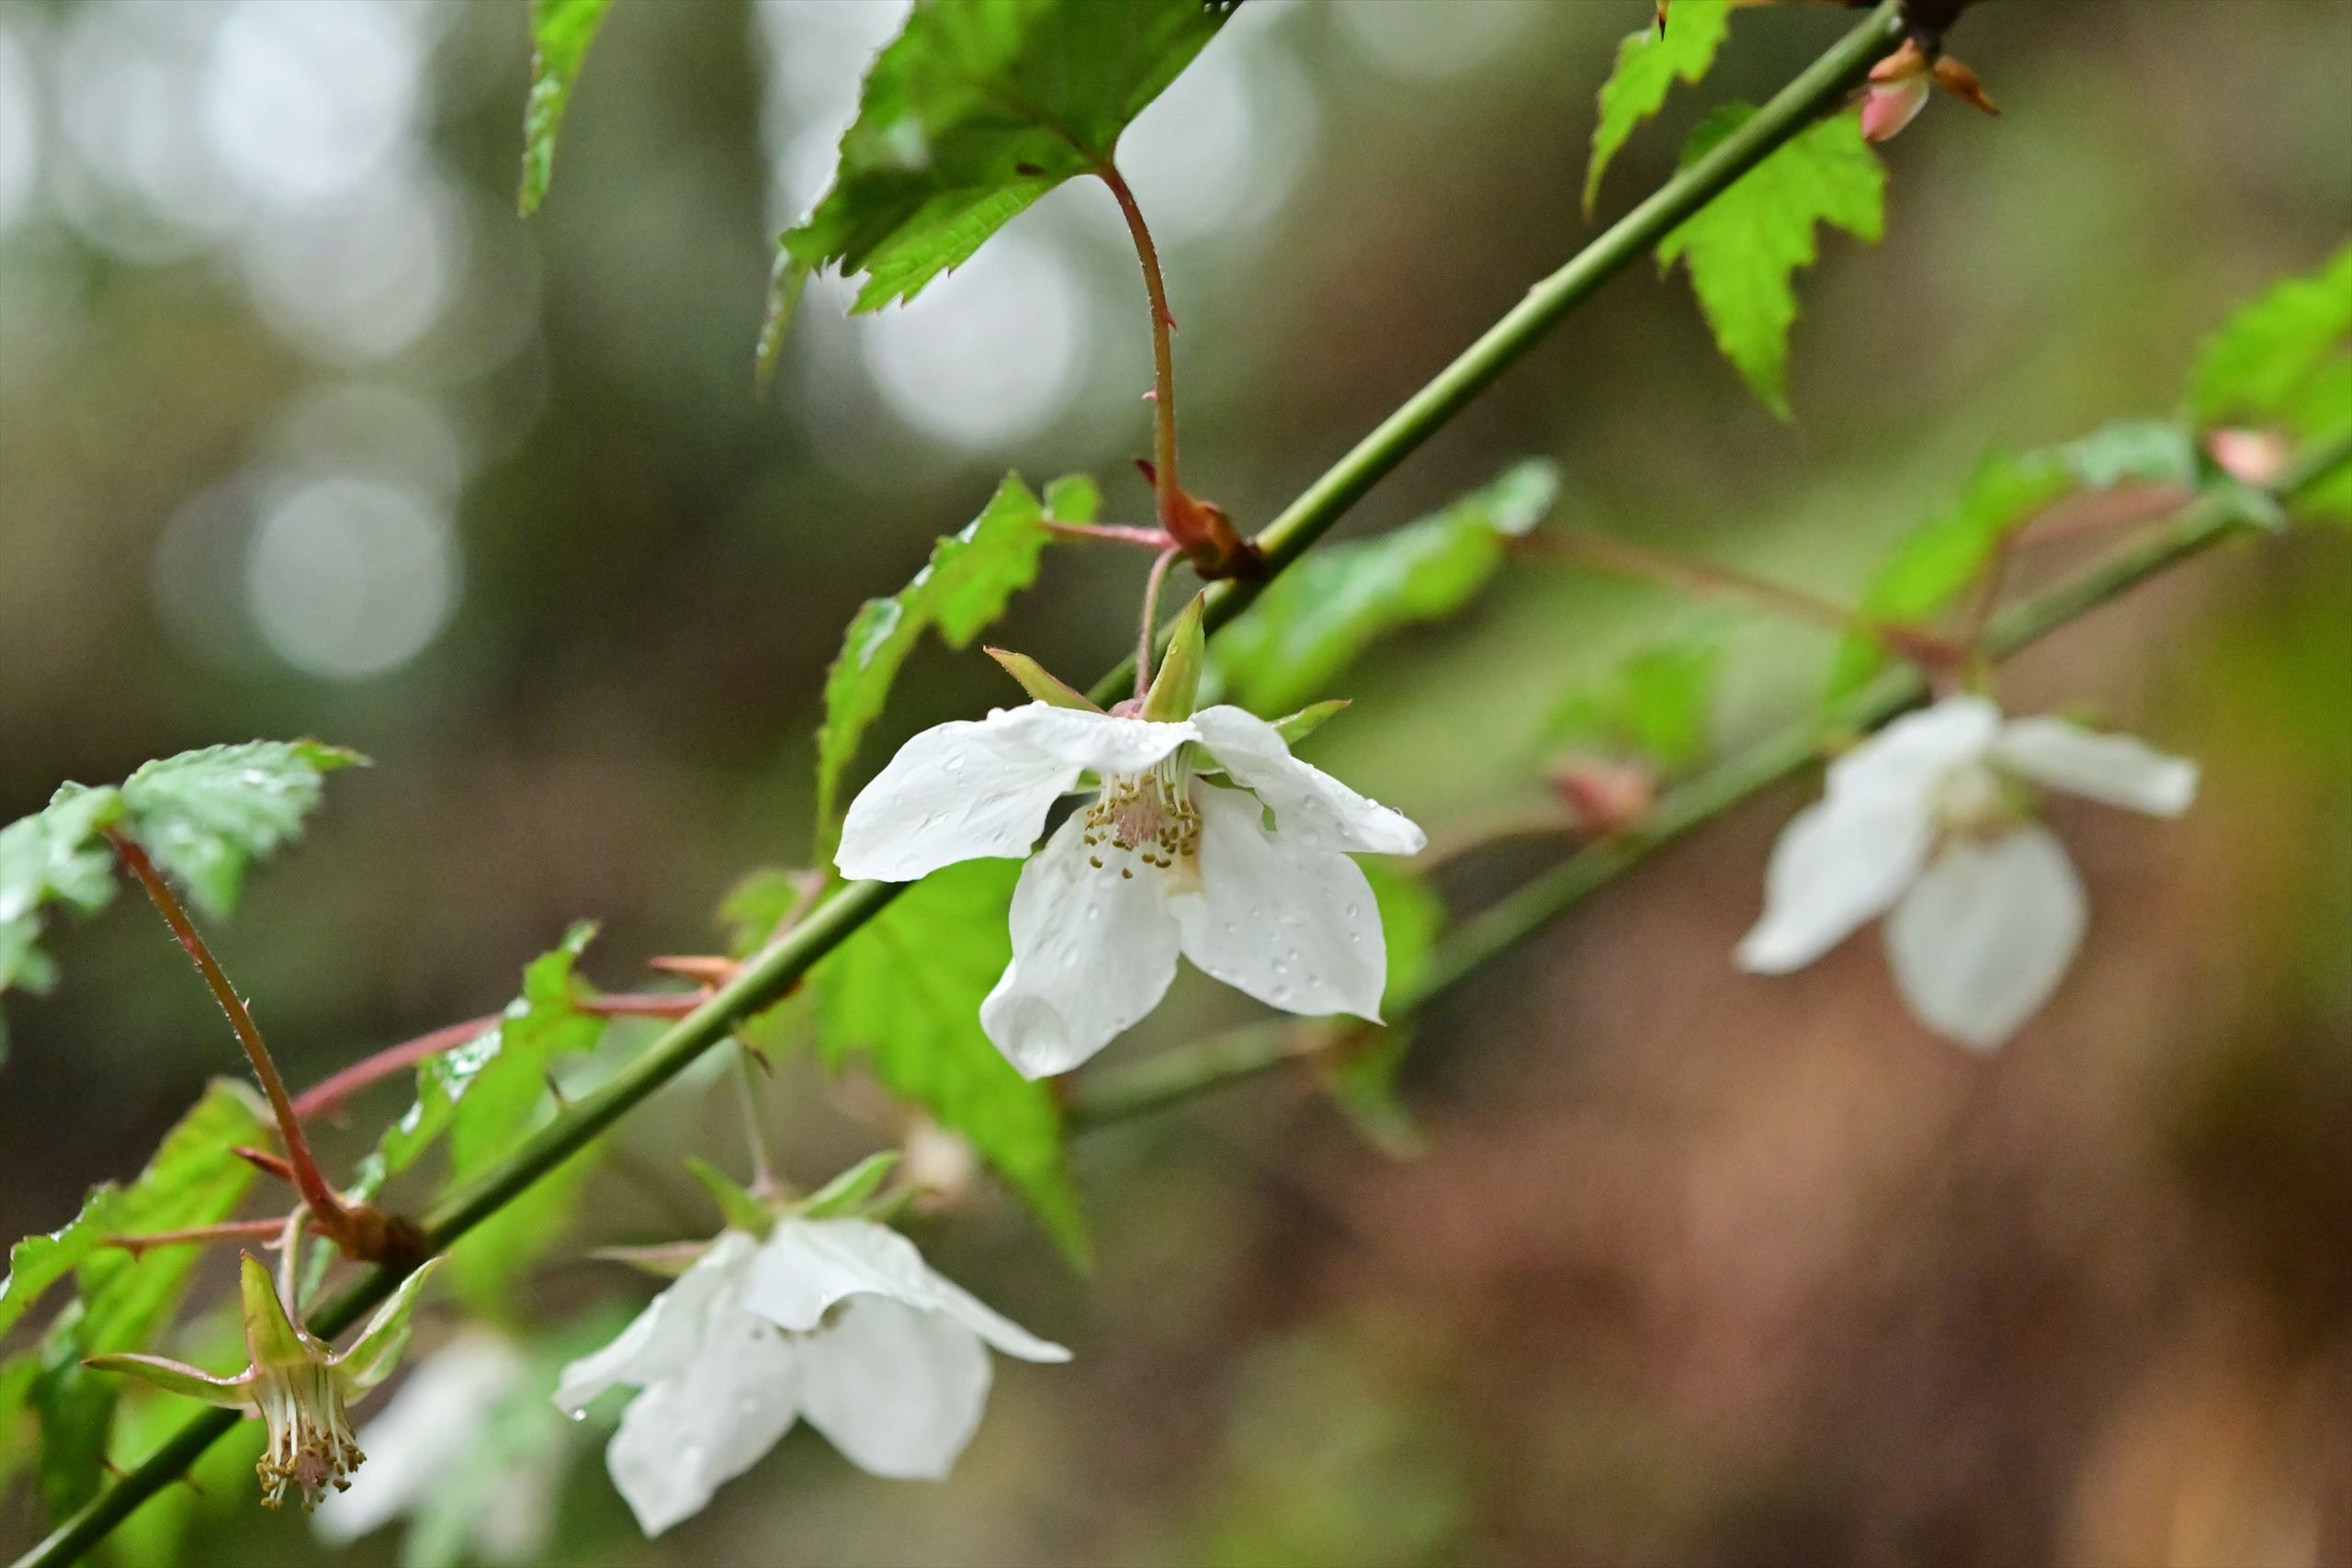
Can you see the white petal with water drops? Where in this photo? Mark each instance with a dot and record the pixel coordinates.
(1292, 923)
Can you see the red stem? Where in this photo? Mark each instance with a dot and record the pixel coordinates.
(1115, 532)
(1163, 396)
(328, 1094)
(197, 1235)
(1159, 566)
(307, 1178)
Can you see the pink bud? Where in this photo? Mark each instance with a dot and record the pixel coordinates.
(1888, 106)
(2250, 457)
(1602, 796)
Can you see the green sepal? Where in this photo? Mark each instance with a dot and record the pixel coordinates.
(1177, 686)
(271, 1339)
(1040, 682)
(849, 1191)
(739, 1208)
(1296, 727)
(378, 1349)
(177, 1377)
(663, 1260)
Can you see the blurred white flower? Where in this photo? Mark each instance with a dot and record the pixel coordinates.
(839, 1321)
(430, 1436)
(1163, 860)
(1930, 818)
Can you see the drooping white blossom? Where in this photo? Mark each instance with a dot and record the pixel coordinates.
(838, 1321)
(430, 1436)
(1930, 818)
(1206, 838)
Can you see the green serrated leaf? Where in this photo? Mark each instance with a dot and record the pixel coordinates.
(905, 997)
(206, 816)
(1944, 556)
(125, 1302)
(977, 109)
(561, 31)
(1656, 704)
(971, 577)
(492, 1091)
(40, 1262)
(2262, 357)
(1315, 619)
(1648, 63)
(52, 856)
(1744, 247)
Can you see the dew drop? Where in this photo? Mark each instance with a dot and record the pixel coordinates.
(1094, 911)
(955, 764)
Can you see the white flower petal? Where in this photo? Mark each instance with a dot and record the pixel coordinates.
(1092, 952)
(806, 1266)
(899, 1390)
(2114, 768)
(1903, 764)
(685, 1436)
(422, 1434)
(1984, 938)
(1289, 921)
(666, 1337)
(1309, 804)
(1838, 864)
(1104, 742)
(955, 792)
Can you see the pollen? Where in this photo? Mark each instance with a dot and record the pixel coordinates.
(1147, 817)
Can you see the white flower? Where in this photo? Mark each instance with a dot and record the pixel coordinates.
(838, 1320)
(1925, 819)
(1164, 860)
(430, 1438)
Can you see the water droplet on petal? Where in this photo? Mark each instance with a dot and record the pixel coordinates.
(1094, 911)
(955, 763)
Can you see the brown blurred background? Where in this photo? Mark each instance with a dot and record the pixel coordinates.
(302, 431)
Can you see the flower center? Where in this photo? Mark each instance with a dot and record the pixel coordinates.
(310, 1446)
(1976, 802)
(1147, 817)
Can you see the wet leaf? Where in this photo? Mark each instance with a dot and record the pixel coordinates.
(561, 31)
(206, 816)
(977, 109)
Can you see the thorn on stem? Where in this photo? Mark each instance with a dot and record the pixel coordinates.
(266, 1162)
